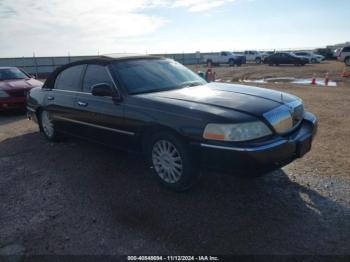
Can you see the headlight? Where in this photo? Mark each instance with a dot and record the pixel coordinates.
(236, 132)
(3, 94)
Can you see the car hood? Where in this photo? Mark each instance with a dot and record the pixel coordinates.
(18, 84)
(246, 99)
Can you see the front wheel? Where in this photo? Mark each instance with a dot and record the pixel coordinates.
(172, 162)
(258, 60)
(347, 61)
(47, 126)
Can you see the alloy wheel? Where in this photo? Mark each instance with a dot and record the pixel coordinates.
(47, 124)
(167, 161)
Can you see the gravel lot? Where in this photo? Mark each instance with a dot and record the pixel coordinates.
(79, 198)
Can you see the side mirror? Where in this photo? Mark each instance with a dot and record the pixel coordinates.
(32, 76)
(102, 89)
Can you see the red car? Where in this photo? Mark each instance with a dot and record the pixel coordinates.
(14, 86)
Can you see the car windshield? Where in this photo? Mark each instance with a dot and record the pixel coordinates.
(12, 73)
(154, 75)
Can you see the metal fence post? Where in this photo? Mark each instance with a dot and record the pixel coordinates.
(36, 65)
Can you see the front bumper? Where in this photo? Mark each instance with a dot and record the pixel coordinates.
(12, 103)
(261, 156)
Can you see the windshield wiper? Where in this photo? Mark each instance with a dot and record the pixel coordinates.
(183, 85)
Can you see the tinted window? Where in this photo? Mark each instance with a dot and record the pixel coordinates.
(69, 79)
(154, 75)
(346, 49)
(95, 74)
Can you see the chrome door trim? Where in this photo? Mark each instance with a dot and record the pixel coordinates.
(96, 126)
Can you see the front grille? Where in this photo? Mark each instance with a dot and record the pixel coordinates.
(286, 117)
(19, 93)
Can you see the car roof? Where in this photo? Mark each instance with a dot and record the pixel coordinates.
(102, 60)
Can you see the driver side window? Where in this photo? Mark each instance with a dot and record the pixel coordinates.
(95, 74)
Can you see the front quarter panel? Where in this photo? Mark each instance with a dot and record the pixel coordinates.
(186, 118)
(35, 98)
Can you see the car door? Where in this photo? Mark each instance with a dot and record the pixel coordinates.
(60, 101)
(285, 59)
(223, 57)
(276, 58)
(102, 116)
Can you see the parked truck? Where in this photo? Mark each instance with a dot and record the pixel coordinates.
(344, 55)
(224, 57)
(254, 56)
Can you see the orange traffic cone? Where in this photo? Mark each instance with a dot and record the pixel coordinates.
(326, 79)
(313, 81)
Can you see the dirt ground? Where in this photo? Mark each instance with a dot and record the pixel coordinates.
(75, 197)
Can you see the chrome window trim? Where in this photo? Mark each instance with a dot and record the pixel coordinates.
(96, 126)
(69, 91)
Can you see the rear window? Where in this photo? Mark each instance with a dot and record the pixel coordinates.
(69, 79)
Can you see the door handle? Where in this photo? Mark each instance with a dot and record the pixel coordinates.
(50, 98)
(82, 103)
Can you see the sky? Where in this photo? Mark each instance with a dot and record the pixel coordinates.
(91, 27)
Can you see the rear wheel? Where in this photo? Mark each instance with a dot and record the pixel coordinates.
(172, 162)
(47, 126)
(258, 60)
(313, 60)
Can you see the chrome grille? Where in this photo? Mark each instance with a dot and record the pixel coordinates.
(286, 117)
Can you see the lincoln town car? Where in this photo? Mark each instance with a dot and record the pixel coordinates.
(179, 122)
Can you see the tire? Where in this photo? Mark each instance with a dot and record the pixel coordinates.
(172, 163)
(258, 60)
(209, 63)
(347, 61)
(313, 60)
(47, 126)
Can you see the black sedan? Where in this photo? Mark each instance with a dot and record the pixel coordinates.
(180, 122)
(285, 59)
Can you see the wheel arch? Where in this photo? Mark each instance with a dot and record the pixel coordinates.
(151, 130)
